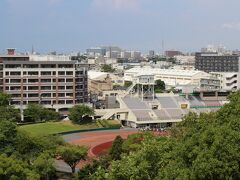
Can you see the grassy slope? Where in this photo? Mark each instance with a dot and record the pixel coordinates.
(54, 127)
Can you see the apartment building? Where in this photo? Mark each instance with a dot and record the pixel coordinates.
(53, 81)
(214, 62)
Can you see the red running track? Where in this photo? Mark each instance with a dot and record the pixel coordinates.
(100, 140)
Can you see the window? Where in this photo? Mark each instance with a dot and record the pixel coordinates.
(61, 73)
(69, 73)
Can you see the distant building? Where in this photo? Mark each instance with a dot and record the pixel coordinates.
(135, 54)
(151, 53)
(125, 54)
(185, 60)
(98, 51)
(172, 53)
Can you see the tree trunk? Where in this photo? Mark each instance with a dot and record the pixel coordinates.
(73, 169)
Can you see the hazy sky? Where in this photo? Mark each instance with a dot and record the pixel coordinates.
(73, 25)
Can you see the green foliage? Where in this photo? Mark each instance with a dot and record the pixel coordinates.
(159, 86)
(37, 113)
(78, 112)
(4, 99)
(8, 112)
(8, 132)
(72, 154)
(107, 68)
(14, 169)
(94, 170)
(23, 156)
(116, 149)
(43, 164)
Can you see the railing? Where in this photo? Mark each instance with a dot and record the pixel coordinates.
(203, 107)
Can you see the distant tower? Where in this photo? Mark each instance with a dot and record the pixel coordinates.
(162, 47)
(32, 49)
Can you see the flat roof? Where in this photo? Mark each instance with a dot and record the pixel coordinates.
(158, 71)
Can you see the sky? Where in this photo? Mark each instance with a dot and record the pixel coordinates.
(74, 25)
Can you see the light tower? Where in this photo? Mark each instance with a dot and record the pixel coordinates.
(143, 86)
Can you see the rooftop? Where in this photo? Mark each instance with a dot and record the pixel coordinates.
(158, 71)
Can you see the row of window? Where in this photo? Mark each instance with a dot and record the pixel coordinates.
(39, 66)
(41, 80)
(43, 73)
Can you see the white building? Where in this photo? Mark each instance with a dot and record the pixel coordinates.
(126, 54)
(135, 54)
(230, 81)
(185, 59)
(171, 77)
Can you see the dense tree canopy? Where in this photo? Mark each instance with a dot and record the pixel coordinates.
(37, 113)
(78, 112)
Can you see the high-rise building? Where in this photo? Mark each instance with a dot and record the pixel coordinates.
(53, 81)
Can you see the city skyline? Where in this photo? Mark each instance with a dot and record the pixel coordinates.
(65, 26)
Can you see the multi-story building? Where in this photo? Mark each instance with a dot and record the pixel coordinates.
(176, 78)
(214, 62)
(53, 81)
(172, 53)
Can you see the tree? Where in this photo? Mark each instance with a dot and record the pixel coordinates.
(8, 112)
(72, 154)
(37, 113)
(91, 170)
(4, 99)
(107, 68)
(12, 168)
(78, 112)
(8, 133)
(159, 86)
(116, 149)
(43, 164)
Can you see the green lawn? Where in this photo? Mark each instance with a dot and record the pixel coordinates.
(55, 127)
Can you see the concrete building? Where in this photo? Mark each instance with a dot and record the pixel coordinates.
(172, 53)
(229, 81)
(185, 60)
(214, 62)
(99, 82)
(53, 81)
(174, 78)
(135, 54)
(125, 54)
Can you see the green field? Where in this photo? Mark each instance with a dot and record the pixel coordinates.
(55, 127)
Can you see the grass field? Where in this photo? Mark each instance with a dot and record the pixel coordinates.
(55, 127)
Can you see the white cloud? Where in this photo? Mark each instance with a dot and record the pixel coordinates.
(232, 26)
(117, 4)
